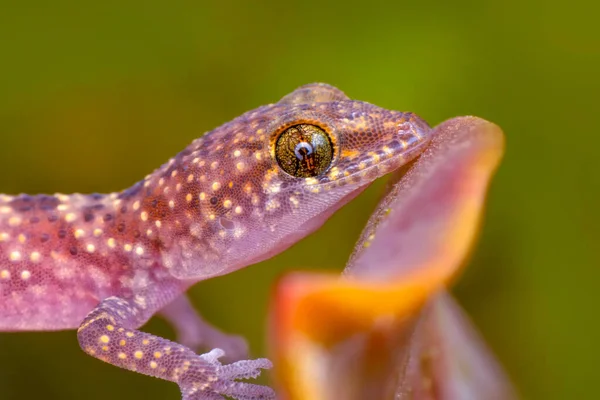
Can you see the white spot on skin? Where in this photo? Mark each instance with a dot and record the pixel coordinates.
(139, 250)
(98, 232)
(90, 248)
(5, 274)
(37, 290)
(25, 275)
(35, 257)
(238, 233)
(79, 233)
(240, 166)
(188, 197)
(272, 204)
(276, 188)
(111, 243)
(70, 217)
(334, 172)
(15, 256)
(171, 204)
(128, 247)
(227, 204)
(374, 156)
(144, 216)
(216, 186)
(64, 272)
(238, 210)
(140, 301)
(22, 238)
(14, 221)
(4, 237)
(190, 178)
(136, 205)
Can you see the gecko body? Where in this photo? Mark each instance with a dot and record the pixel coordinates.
(105, 263)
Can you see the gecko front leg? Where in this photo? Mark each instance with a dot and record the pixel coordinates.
(194, 332)
(108, 333)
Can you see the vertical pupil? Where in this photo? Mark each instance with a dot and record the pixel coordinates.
(302, 150)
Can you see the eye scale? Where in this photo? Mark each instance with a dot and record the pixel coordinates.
(245, 191)
(304, 151)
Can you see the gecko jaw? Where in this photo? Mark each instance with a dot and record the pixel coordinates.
(377, 168)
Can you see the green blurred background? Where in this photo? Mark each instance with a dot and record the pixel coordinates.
(93, 96)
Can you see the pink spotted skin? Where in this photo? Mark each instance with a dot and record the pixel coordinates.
(221, 204)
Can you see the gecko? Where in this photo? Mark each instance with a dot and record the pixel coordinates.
(104, 264)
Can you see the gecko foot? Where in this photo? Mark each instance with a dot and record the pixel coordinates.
(225, 380)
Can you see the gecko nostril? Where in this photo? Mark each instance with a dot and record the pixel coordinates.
(413, 132)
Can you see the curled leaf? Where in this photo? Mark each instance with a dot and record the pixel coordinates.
(369, 334)
(428, 221)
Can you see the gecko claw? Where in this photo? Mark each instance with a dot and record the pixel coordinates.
(212, 357)
(225, 381)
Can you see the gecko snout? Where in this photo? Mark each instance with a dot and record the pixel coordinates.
(413, 130)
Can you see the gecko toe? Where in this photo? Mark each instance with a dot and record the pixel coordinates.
(247, 391)
(225, 380)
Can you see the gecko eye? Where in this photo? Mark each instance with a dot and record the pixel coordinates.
(304, 151)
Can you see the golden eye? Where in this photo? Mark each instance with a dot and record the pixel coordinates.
(304, 151)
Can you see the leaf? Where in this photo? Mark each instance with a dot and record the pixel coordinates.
(366, 334)
(449, 360)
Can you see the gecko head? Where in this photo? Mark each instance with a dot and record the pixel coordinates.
(274, 175)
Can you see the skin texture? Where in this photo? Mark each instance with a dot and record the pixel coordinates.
(223, 203)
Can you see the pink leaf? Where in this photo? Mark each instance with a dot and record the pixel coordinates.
(366, 335)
